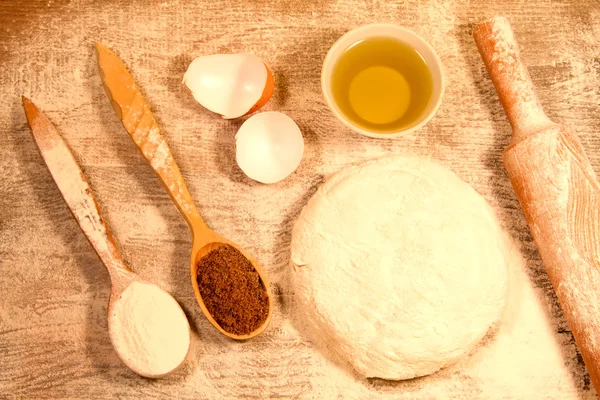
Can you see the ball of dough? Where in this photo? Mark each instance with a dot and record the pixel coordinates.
(399, 266)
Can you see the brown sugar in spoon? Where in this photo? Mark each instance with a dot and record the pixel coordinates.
(151, 353)
(137, 118)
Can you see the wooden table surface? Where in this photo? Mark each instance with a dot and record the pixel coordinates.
(54, 290)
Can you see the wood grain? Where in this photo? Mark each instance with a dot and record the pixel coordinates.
(53, 338)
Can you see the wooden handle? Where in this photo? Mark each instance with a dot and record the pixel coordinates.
(131, 107)
(75, 190)
(146, 135)
(501, 56)
(556, 187)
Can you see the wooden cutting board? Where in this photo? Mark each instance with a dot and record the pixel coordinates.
(53, 338)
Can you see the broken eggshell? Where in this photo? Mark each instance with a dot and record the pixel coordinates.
(232, 85)
(269, 147)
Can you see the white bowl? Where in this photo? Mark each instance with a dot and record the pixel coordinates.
(389, 31)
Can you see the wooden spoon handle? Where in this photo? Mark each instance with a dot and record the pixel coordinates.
(156, 151)
(74, 188)
(130, 105)
(556, 187)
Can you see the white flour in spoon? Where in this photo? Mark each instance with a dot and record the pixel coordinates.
(149, 330)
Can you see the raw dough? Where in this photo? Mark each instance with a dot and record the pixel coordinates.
(399, 266)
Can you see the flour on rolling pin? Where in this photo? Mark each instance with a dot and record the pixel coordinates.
(557, 189)
(502, 51)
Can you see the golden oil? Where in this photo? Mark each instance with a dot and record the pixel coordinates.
(382, 85)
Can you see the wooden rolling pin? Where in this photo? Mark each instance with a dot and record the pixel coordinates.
(556, 186)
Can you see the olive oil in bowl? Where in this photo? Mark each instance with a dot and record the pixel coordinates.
(382, 85)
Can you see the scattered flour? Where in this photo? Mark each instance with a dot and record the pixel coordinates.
(531, 350)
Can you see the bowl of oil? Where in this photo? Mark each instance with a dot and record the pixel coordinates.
(382, 80)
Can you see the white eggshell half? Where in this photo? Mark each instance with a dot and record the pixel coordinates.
(227, 84)
(269, 147)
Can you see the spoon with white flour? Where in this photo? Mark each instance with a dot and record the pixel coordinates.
(146, 325)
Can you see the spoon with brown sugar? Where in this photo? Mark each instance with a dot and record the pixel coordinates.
(229, 284)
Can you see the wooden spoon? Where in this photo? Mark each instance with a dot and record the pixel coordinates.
(78, 195)
(131, 107)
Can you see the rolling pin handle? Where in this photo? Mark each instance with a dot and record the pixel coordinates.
(500, 53)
